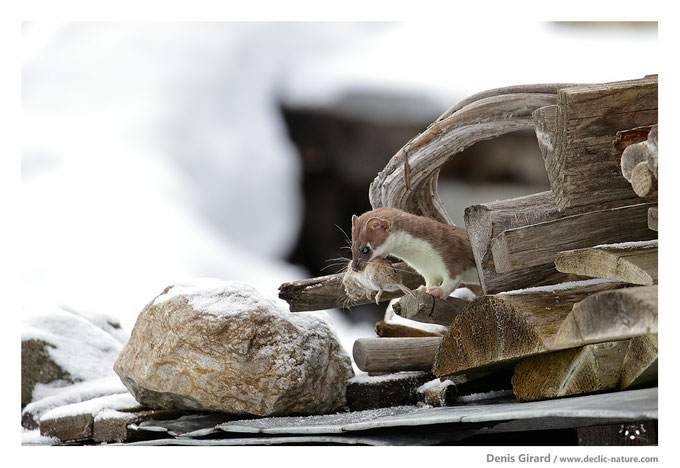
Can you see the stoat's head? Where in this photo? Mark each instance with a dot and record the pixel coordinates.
(369, 233)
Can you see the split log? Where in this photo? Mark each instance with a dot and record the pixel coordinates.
(641, 364)
(609, 316)
(424, 307)
(494, 331)
(635, 263)
(326, 292)
(395, 330)
(653, 218)
(631, 157)
(481, 117)
(643, 181)
(395, 354)
(364, 393)
(538, 244)
(487, 221)
(580, 165)
(592, 368)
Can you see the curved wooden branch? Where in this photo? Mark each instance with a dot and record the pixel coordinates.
(481, 117)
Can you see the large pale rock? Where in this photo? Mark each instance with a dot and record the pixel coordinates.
(223, 346)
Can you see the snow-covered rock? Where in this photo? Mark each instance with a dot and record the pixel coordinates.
(61, 347)
(213, 345)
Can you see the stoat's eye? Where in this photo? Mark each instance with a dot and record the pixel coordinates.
(365, 250)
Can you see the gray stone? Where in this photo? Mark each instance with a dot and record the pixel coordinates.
(38, 367)
(224, 347)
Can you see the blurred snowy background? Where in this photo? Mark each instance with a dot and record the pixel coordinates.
(158, 152)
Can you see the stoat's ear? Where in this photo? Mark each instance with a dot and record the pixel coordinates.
(355, 220)
(378, 224)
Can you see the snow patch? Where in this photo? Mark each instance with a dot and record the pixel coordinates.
(94, 406)
(363, 377)
(631, 245)
(391, 317)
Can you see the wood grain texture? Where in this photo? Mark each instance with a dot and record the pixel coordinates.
(610, 315)
(538, 244)
(481, 117)
(486, 221)
(641, 364)
(653, 218)
(592, 368)
(424, 307)
(326, 292)
(635, 265)
(643, 181)
(395, 354)
(497, 330)
(581, 166)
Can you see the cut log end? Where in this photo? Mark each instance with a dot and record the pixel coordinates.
(643, 181)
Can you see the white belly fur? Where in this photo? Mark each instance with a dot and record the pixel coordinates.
(419, 254)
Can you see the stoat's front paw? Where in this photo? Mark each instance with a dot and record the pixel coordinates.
(422, 288)
(437, 292)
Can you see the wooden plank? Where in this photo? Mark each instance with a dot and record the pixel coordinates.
(653, 150)
(641, 364)
(653, 218)
(636, 263)
(424, 307)
(486, 221)
(539, 243)
(610, 315)
(326, 292)
(581, 166)
(395, 354)
(494, 331)
(589, 369)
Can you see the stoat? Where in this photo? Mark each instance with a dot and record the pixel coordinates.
(439, 252)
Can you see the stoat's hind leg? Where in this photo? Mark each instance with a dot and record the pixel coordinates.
(449, 285)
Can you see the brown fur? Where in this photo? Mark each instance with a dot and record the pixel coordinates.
(451, 242)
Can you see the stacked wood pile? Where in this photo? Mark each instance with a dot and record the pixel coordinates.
(567, 302)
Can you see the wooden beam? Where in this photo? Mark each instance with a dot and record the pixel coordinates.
(641, 364)
(580, 166)
(326, 292)
(592, 368)
(395, 354)
(538, 244)
(653, 218)
(364, 393)
(635, 263)
(498, 330)
(610, 315)
(424, 307)
(485, 222)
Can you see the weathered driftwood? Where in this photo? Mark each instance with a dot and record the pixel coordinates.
(643, 181)
(588, 369)
(326, 292)
(497, 330)
(538, 244)
(653, 150)
(396, 330)
(480, 117)
(395, 354)
(485, 222)
(364, 393)
(636, 263)
(641, 364)
(424, 307)
(653, 218)
(578, 157)
(609, 316)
